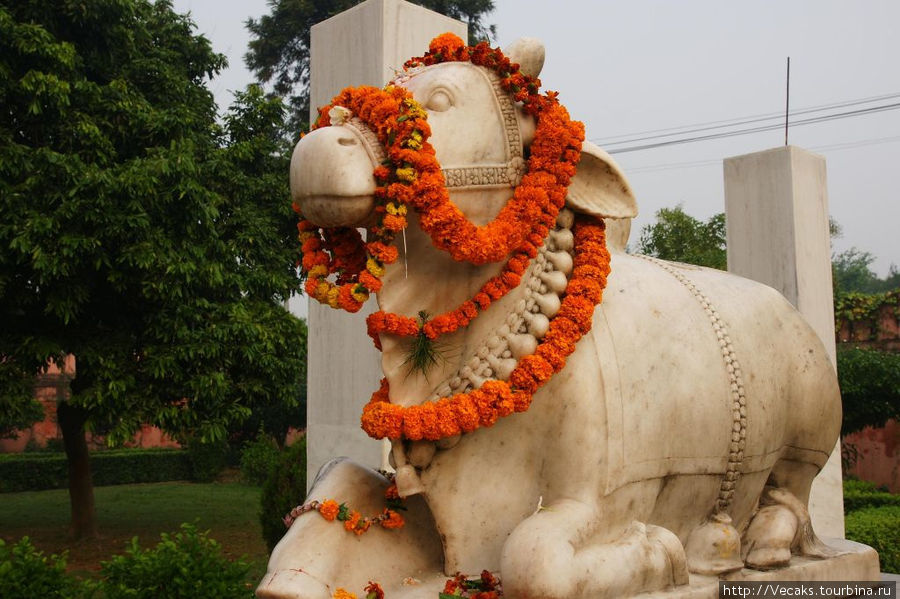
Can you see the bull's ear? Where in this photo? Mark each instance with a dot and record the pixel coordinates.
(599, 187)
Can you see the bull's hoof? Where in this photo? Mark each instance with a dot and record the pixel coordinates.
(768, 558)
(674, 550)
(291, 584)
(714, 547)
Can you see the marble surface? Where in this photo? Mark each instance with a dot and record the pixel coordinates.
(680, 440)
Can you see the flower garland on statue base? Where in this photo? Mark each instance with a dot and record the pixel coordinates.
(486, 586)
(353, 521)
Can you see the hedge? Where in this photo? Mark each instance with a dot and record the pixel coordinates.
(879, 528)
(38, 471)
(861, 494)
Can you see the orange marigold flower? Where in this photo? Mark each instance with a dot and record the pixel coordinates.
(391, 492)
(352, 520)
(394, 222)
(589, 290)
(343, 594)
(412, 423)
(329, 509)
(392, 520)
(362, 526)
(482, 299)
(578, 310)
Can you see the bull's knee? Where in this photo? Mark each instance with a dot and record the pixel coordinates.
(538, 558)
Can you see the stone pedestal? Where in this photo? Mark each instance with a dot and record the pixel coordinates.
(776, 206)
(854, 563)
(364, 45)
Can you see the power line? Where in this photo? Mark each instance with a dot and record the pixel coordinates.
(849, 145)
(732, 122)
(809, 121)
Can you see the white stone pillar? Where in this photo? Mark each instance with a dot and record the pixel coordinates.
(776, 206)
(364, 45)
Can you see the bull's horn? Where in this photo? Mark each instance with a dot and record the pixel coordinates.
(529, 53)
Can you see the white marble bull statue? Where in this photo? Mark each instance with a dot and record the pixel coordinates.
(682, 435)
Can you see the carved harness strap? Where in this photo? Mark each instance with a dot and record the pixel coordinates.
(738, 398)
(507, 174)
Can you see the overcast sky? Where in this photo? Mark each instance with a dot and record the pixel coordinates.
(634, 66)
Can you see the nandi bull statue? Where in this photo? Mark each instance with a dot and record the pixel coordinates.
(573, 420)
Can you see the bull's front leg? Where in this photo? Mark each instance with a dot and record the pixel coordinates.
(564, 551)
(316, 557)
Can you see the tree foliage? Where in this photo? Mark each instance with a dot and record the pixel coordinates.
(137, 233)
(279, 50)
(852, 272)
(870, 387)
(679, 236)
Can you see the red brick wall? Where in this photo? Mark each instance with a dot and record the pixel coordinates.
(52, 386)
(877, 451)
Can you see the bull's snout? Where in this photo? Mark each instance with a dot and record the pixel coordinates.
(331, 177)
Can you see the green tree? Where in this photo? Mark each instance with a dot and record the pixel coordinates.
(851, 270)
(279, 50)
(18, 409)
(870, 387)
(136, 233)
(679, 236)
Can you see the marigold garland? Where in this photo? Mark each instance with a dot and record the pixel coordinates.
(465, 412)
(486, 586)
(353, 521)
(415, 179)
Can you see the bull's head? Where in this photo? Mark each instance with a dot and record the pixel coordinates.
(481, 138)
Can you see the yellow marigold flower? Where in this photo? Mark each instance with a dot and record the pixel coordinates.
(374, 267)
(343, 594)
(360, 296)
(333, 297)
(407, 174)
(304, 235)
(413, 144)
(416, 135)
(414, 110)
(396, 209)
(322, 291)
(319, 270)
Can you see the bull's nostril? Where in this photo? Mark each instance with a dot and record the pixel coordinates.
(347, 141)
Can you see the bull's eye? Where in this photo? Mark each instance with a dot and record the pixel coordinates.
(439, 101)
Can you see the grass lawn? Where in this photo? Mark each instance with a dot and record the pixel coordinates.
(228, 510)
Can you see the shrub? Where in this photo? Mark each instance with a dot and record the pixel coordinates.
(41, 470)
(859, 494)
(186, 564)
(878, 527)
(25, 572)
(207, 460)
(258, 458)
(284, 489)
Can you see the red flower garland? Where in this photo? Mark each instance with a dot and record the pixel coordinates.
(465, 412)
